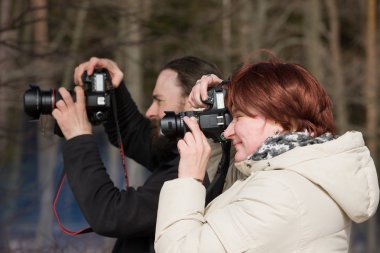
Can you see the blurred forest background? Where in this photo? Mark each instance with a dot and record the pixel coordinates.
(41, 41)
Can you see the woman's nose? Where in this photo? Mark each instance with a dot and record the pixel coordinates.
(230, 131)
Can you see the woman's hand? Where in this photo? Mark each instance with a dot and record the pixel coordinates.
(194, 151)
(199, 92)
(71, 116)
(94, 63)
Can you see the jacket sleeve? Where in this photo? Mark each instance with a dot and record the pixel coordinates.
(134, 127)
(108, 210)
(238, 223)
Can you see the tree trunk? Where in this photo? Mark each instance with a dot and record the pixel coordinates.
(372, 105)
(339, 90)
(10, 120)
(130, 60)
(246, 30)
(226, 36)
(312, 32)
(77, 38)
(7, 55)
(5, 91)
(46, 146)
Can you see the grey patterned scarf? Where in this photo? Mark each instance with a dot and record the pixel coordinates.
(280, 143)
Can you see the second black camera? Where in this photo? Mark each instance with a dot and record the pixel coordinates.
(212, 121)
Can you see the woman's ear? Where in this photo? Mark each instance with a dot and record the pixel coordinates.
(277, 128)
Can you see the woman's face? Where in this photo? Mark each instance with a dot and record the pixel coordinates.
(248, 133)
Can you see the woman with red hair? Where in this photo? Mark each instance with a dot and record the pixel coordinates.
(301, 185)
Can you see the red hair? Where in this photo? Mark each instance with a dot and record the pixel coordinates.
(284, 92)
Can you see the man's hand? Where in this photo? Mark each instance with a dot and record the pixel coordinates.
(94, 63)
(71, 116)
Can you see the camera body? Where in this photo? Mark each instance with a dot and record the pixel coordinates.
(97, 97)
(212, 121)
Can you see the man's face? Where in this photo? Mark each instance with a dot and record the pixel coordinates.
(167, 96)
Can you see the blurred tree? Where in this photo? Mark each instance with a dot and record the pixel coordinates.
(75, 43)
(312, 38)
(130, 59)
(7, 37)
(251, 22)
(339, 92)
(226, 36)
(47, 155)
(245, 31)
(371, 96)
(10, 144)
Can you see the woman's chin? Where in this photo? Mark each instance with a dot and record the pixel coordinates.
(239, 157)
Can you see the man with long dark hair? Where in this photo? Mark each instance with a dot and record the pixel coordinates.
(130, 214)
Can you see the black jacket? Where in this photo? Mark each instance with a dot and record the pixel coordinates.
(130, 214)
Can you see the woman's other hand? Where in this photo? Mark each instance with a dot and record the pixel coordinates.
(199, 92)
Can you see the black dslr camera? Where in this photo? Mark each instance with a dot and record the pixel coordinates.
(212, 121)
(97, 94)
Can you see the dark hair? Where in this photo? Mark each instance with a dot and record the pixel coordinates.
(190, 69)
(284, 92)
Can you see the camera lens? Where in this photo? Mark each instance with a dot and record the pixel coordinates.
(172, 124)
(37, 102)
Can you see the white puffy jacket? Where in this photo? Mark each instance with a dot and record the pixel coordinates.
(303, 200)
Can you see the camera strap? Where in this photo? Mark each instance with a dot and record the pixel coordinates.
(217, 184)
(119, 139)
(62, 227)
(63, 176)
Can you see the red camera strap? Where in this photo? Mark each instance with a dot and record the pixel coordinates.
(60, 185)
(62, 227)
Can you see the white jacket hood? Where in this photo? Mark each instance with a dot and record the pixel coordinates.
(342, 167)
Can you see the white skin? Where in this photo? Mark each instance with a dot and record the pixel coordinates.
(167, 96)
(72, 117)
(247, 133)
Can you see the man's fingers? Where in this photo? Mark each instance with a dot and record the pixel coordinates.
(89, 67)
(92, 64)
(80, 98)
(56, 114)
(61, 105)
(66, 97)
(77, 74)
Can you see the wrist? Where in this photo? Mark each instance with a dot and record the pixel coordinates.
(78, 133)
(199, 179)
